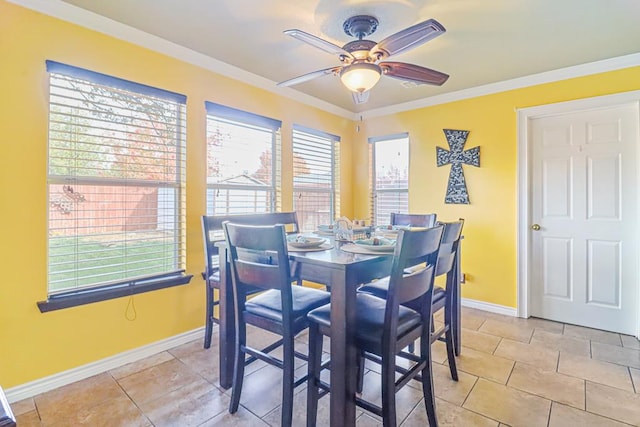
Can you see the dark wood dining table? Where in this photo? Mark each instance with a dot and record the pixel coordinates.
(344, 272)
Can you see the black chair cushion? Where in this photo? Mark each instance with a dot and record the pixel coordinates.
(378, 287)
(269, 304)
(369, 318)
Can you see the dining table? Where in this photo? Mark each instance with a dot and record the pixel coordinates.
(342, 272)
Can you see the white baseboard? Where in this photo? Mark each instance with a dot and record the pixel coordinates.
(33, 388)
(490, 307)
(30, 389)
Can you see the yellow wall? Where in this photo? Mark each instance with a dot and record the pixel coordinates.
(489, 247)
(36, 345)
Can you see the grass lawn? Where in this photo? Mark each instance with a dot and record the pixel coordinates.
(90, 260)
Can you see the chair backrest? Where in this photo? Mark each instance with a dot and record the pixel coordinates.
(259, 259)
(413, 247)
(212, 231)
(449, 246)
(413, 220)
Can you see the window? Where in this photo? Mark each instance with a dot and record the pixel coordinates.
(116, 173)
(389, 176)
(242, 166)
(316, 157)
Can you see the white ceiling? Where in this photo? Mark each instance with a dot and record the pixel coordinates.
(487, 41)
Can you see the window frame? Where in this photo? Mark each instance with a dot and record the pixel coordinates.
(129, 285)
(373, 177)
(333, 191)
(248, 119)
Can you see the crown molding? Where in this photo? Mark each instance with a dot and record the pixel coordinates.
(605, 65)
(93, 21)
(76, 15)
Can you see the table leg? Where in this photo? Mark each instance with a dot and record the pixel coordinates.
(343, 353)
(227, 323)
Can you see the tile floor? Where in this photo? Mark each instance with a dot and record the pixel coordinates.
(513, 372)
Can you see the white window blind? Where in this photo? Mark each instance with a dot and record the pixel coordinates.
(116, 174)
(390, 176)
(242, 151)
(316, 160)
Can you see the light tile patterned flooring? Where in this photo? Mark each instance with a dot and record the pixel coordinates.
(513, 372)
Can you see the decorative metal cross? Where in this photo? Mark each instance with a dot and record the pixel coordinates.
(457, 156)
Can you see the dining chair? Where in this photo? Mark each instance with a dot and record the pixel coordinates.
(443, 298)
(212, 234)
(386, 326)
(259, 260)
(413, 220)
(446, 298)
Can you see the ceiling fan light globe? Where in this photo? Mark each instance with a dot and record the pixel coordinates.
(360, 77)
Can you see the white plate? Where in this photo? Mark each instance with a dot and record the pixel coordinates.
(309, 242)
(390, 235)
(393, 230)
(377, 248)
(385, 247)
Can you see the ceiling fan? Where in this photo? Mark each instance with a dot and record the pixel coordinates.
(361, 59)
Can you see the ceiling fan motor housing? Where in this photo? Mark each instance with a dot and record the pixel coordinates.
(356, 46)
(360, 26)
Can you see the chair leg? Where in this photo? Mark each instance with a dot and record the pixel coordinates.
(239, 362)
(451, 354)
(455, 305)
(450, 337)
(360, 370)
(208, 329)
(412, 346)
(450, 341)
(455, 328)
(287, 379)
(313, 366)
(389, 391)
(427, 382)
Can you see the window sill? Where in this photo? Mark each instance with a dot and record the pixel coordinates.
(89, 296)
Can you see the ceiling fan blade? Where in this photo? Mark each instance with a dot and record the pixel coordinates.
(318, 42)
(414, 73)
(360, 97)
(309, 76)
(407, 39)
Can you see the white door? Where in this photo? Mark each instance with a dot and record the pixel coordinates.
(584, 267)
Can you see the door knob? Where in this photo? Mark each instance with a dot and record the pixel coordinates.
(535, 227)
